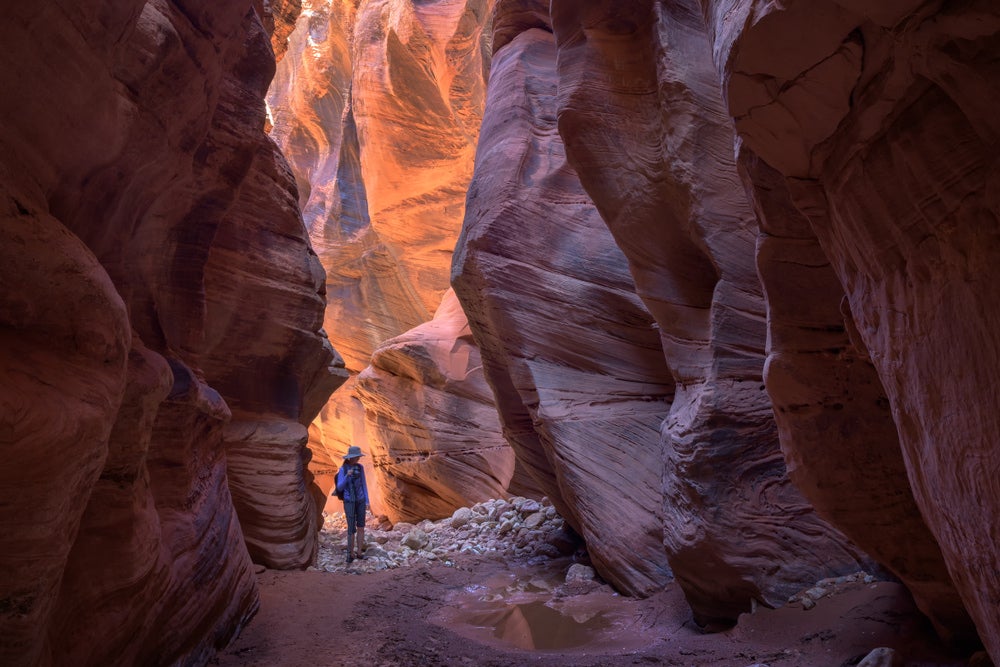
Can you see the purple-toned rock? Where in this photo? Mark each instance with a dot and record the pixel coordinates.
(645, 127)
(572, 356)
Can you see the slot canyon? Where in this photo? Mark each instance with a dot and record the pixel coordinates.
(700, 297)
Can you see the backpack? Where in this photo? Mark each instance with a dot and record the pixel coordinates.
(339, 491)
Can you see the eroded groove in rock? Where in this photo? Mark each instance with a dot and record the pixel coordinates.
(643, 120)
(895, 166)
(140, 134)
(377, 105)
(836, 428)
(572, 356)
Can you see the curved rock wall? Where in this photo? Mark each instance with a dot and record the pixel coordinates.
(573, 358)
(894, 165)
(644, 124)
(377, 106)
(157, 283)
(836, 427)
(432, 422)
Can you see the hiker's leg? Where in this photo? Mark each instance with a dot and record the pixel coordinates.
(349, 512)
(359, 520)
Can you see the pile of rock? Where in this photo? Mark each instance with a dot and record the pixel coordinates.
(520, 528)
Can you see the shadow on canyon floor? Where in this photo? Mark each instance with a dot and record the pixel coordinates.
(468, 611)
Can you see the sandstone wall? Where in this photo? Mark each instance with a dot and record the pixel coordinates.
(432, 421)
(881, 122)
(572, 356)
(377, 106)
(645, 127)
(157, 283)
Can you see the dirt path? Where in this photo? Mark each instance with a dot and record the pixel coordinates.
(483, 611)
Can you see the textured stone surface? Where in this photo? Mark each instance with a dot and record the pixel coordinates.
(836, 428)
(65, 341)
(433, 430)
(573, 358)
(735, 527)
(883, 124)
(377, 106)
(157, 280)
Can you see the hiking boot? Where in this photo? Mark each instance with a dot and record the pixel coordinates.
(349, 558)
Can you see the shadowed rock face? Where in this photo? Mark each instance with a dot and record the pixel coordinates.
(836, 428)
(572, 356)
(157, 286)
(735, 528)
(882, 122)
(377, 106)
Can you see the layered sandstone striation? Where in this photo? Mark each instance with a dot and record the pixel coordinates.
(377, 106)
(573, 357)
(432, 424)
(881, 124)
(735, 528)
(833, 416)
(158, 283)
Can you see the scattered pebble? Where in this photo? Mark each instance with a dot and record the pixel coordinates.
(515, 528)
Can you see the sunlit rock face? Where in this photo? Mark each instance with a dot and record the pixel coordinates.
(279, 18)
(882, 122)
(571, 354)
(645, 127)
(432, 425)
(158, 286)
(377, 106)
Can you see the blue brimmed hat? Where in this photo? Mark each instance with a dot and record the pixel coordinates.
(353, 452)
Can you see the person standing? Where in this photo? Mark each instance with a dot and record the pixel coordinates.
(353, 489)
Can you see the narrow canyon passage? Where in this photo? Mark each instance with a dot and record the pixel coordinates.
(465, 595)
(667, 331)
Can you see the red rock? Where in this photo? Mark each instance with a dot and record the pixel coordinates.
(377, 107)
(883, 124)
(140, 194)
(837, 431)
(571, 354)
(646, 129)
(433, 430)
(65, 341)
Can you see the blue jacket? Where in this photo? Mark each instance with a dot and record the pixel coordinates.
(355, 488)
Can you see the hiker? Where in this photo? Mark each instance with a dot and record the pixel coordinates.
(353, 490)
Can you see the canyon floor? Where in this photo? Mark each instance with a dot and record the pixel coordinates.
(498, 609)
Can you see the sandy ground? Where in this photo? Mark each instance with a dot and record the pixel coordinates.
(485, 611)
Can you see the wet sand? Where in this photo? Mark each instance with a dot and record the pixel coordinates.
(486, 611)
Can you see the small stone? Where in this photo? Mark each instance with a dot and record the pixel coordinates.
(529, 507)
(416, 539)
(816, 592)
(534, 520)
(580, 573)
(461, 517)
(808, 603)
(882, 657)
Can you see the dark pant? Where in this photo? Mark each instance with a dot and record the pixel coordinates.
(355, 512)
